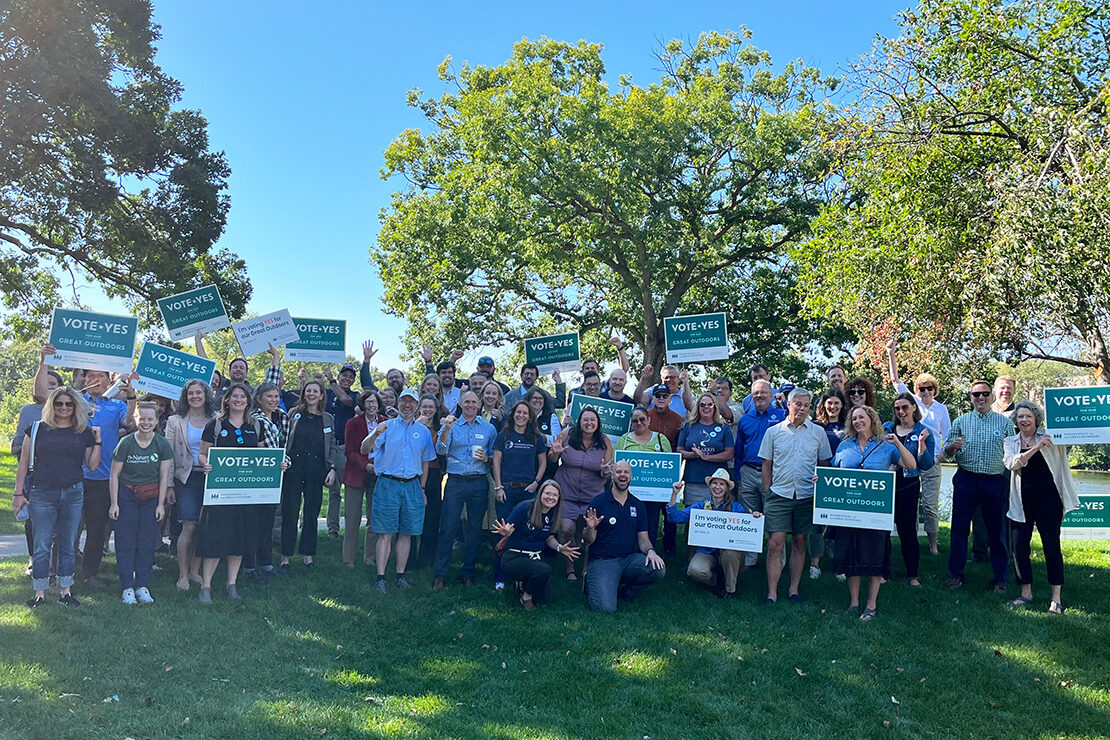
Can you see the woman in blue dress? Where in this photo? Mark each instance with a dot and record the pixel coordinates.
(861, 552)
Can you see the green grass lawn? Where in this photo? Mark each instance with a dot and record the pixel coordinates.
(8, 524)
(321, 653)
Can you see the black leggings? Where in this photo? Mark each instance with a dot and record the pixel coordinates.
(1044, 510)
(307, 480)
(534, 573)
(906, 495)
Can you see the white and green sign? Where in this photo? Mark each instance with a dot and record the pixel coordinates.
(847, 497)
(164, 371)
(320, 340)
(697, 338)
(653, 473)
(616, 416)
(1091, 521)
(94, 341)
(1078, 416)
(257, 334)
(249, 475)
(556, 352)
(186, 313)
(725, 530)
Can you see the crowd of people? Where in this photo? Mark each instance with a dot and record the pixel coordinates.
(464, 462)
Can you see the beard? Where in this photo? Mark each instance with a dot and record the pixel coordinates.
(622, 486)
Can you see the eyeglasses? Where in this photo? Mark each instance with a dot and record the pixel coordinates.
(902, 408)
(662, 395)
(857, 392)
(64, 404)
(705, 405)
(980, 394)
(923, 388)
(638, 420)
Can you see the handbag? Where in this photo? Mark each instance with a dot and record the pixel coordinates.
(145, 491)
(30, 462)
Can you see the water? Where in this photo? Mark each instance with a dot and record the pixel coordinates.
(1085, 482)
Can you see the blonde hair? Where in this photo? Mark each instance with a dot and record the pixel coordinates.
(80, 408)
(693, 416)
(926, 379)
(877, 430)
(1005, 378)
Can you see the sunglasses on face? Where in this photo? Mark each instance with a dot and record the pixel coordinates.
(980, 394)
(926, 388)
(901, 408)
(64, 404)
(857, 392)
(705, 405)
(662, 395)
(638, 420)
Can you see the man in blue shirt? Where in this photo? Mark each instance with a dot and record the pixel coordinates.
(622, 560)
(403, 448)
(468, 445)
(749, 435)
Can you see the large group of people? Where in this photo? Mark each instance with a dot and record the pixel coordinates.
(467, 462)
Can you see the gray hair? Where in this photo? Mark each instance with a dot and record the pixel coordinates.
(798, 393)
(767, 383)
(1038, 415)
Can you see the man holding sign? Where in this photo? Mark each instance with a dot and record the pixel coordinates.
(707, 561)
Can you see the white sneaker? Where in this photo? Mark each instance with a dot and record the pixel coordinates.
(143, 595)
(814, 572)
(129, 596)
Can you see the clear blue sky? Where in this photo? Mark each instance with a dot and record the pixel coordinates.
(304, 99)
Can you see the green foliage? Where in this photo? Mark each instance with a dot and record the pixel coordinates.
(19, 360)
(100, 177)
(542, 199)
(974, 190)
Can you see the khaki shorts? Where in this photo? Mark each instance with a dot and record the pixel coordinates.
(793, 515)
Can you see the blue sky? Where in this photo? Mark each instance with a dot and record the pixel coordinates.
(304, 99)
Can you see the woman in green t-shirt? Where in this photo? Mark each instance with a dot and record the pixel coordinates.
(141, 468)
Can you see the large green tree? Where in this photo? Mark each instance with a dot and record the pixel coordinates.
(101, 177)
(974, 203)
(542, 198)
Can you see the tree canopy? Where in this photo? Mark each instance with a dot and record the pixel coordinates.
(100, 177)
(543, 198)
(974, 192)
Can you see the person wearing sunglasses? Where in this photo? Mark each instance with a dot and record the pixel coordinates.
(705, 443)
(935, 417)
(667, 422)
(859, 392)
(976, 443)
(914, 436)
(61, 443)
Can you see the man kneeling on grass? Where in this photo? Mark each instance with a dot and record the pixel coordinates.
(622, 561)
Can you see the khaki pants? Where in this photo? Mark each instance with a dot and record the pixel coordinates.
(335, 498)
(352, 516)
(703, 568)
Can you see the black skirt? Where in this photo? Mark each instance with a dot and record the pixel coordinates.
(861, 552)
(222, 531)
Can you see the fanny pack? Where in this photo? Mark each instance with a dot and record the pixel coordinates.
(145, 491)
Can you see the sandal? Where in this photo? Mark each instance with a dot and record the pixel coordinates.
(1020, 602)
(868, 614)
(1055, 607)
(915, 583)
(528, 605)
(572, 576)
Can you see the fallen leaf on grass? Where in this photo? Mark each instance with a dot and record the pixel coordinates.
(998, 653)
(764, 651)
(459, 636)
(371, 699)
(874, 667)
(900, 670)
(894, 701)
(485, 646)
(674, 652)
(740, 657)
(992, 703)
(955, 619)
(451, 613)
(886, 723)
(922, 680)
(799, 671)
(1065, 684)
(169, 668)
(1037, 680)
(503, 664)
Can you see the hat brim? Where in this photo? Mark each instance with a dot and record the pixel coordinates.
(731, 483)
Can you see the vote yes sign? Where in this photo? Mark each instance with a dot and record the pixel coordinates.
(653, 473)
(94, 341)
(321, 340)
(200, 309)
(696, 338)
(555, 352)
(1078, 415)
(1091, 521)
(249, 475)
(164, 371)
(848, 497)
(616, 416)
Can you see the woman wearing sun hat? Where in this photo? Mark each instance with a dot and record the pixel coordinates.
(703, 566)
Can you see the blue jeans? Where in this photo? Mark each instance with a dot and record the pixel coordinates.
(513, 496)
(991, 493)
(605, 576)
(136, 534)
(473, 493)
(55, 512)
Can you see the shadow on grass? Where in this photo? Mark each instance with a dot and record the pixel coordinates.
(324, 651)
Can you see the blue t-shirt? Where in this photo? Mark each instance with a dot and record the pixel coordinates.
(835, 432)
(341, 412)
(525, 536)
(877, 455)
(713, 438)
(109, 414)
(518, 455)
(618, 531)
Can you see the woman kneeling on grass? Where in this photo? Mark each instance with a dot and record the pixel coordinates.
(532, 525)
(142, 465)
(703, 566)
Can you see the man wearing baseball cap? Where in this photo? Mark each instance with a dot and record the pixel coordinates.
(487, 367)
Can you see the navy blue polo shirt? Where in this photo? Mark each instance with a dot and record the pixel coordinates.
(341, 412)
(617, 533)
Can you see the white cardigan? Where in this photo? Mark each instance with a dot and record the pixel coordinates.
(1057, 458)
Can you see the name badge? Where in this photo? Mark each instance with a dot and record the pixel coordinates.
(479, 436)
(327, 430)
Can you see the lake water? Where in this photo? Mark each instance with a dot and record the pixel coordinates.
(1085, 482)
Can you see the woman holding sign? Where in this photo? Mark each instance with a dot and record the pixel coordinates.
(705, 563)
(530, 527)
(863, 552)
(1041, 495)
(584, 460)
(142, 467)
(309, 450)
(195, 410)
(705, 443)
(909, 430)
(222, 531)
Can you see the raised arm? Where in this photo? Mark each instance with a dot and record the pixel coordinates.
(892, 363)
(198, 341)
